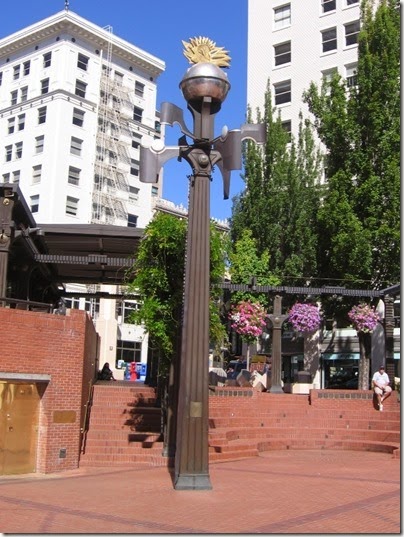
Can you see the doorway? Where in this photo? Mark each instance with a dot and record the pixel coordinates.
(19, 417)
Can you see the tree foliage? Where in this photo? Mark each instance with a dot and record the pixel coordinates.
(280, 200)
(158, 276)
(360, 128)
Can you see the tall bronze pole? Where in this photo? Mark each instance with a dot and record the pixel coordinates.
(204, 87)
(192, 446)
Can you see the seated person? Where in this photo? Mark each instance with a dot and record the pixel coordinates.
(381, 386)
(106, 373)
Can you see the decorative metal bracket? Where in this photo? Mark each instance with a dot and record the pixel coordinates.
(226, 154)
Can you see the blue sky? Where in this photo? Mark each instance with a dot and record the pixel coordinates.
(159, 26)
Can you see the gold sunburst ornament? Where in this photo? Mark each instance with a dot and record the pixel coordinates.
(204, 50)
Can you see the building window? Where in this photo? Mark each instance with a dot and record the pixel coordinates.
(282, 17)
(352, 33)
(44, 86)
(26, 67)
(6, 177)
(139, 89)
(74, 176)
(137, 114)
(136, 139)
(16, 176)
(14, 96)
(118, 77)
(283, 92)
(39, 144)
(82, 62)
(1, 77)
(328, 74)
(34, 203)
(134, 167)
(80, 88)
(128, 351)
(47, 59)
(282, 53)
(154, 191)
(16, 72)
(132, 220)
(351, 2)
(133, 193)
(9, 152)
(75, 146)
(72, 303)
(328, 5)
(36, 174)
(41, 115)
(11, 125)
(21, 122)
(329, 39)
(72, 205)
(92, 305)
(287, 127)
(351, 75)
(24, 94)
(78, 117)
(18, 150)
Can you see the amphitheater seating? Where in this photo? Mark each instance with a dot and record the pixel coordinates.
(125, 424)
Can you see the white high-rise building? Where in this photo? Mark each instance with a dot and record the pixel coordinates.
(292, 43)
(75, 103)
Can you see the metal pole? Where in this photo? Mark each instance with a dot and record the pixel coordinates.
(192, 446)
(277, 319)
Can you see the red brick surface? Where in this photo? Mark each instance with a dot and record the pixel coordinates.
(285, 492)
(64, 347)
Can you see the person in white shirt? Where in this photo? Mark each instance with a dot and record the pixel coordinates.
(381, 386)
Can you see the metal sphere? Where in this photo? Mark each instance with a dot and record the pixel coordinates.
(204, 80)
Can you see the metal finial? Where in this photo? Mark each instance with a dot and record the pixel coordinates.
(67, 5)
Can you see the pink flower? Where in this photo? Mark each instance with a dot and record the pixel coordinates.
(248, 319)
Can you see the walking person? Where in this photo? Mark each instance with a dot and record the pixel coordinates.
(381, 386)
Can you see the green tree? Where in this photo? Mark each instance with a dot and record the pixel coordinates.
(360, 128)
(158, 276)
(245, 261)
(281, 199)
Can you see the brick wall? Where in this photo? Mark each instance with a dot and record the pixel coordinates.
(64, 347)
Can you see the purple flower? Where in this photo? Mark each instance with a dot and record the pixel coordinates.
(304, 317)
(364, 318)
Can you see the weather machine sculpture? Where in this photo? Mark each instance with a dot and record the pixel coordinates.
(204, 87)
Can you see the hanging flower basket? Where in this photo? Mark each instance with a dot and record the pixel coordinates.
(304, 318)
(364, 318)
(248, 319)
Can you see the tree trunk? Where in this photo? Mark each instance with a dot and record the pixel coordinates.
(364, 360)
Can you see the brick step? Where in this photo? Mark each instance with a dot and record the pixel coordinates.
(232, 455)
(123, 448)
(153, 414)
(129, 436)
(370, 412)
(242, 447)
(147, 402)
(227, 423)
(125, 410)
(125, 460)
(315, 443)
(225, 437)
(128, 428)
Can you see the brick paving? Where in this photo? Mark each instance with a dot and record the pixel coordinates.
(279, 492)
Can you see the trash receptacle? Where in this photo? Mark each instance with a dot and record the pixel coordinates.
(304, 377)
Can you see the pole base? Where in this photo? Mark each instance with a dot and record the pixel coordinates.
(192, 482)
(276, 389)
